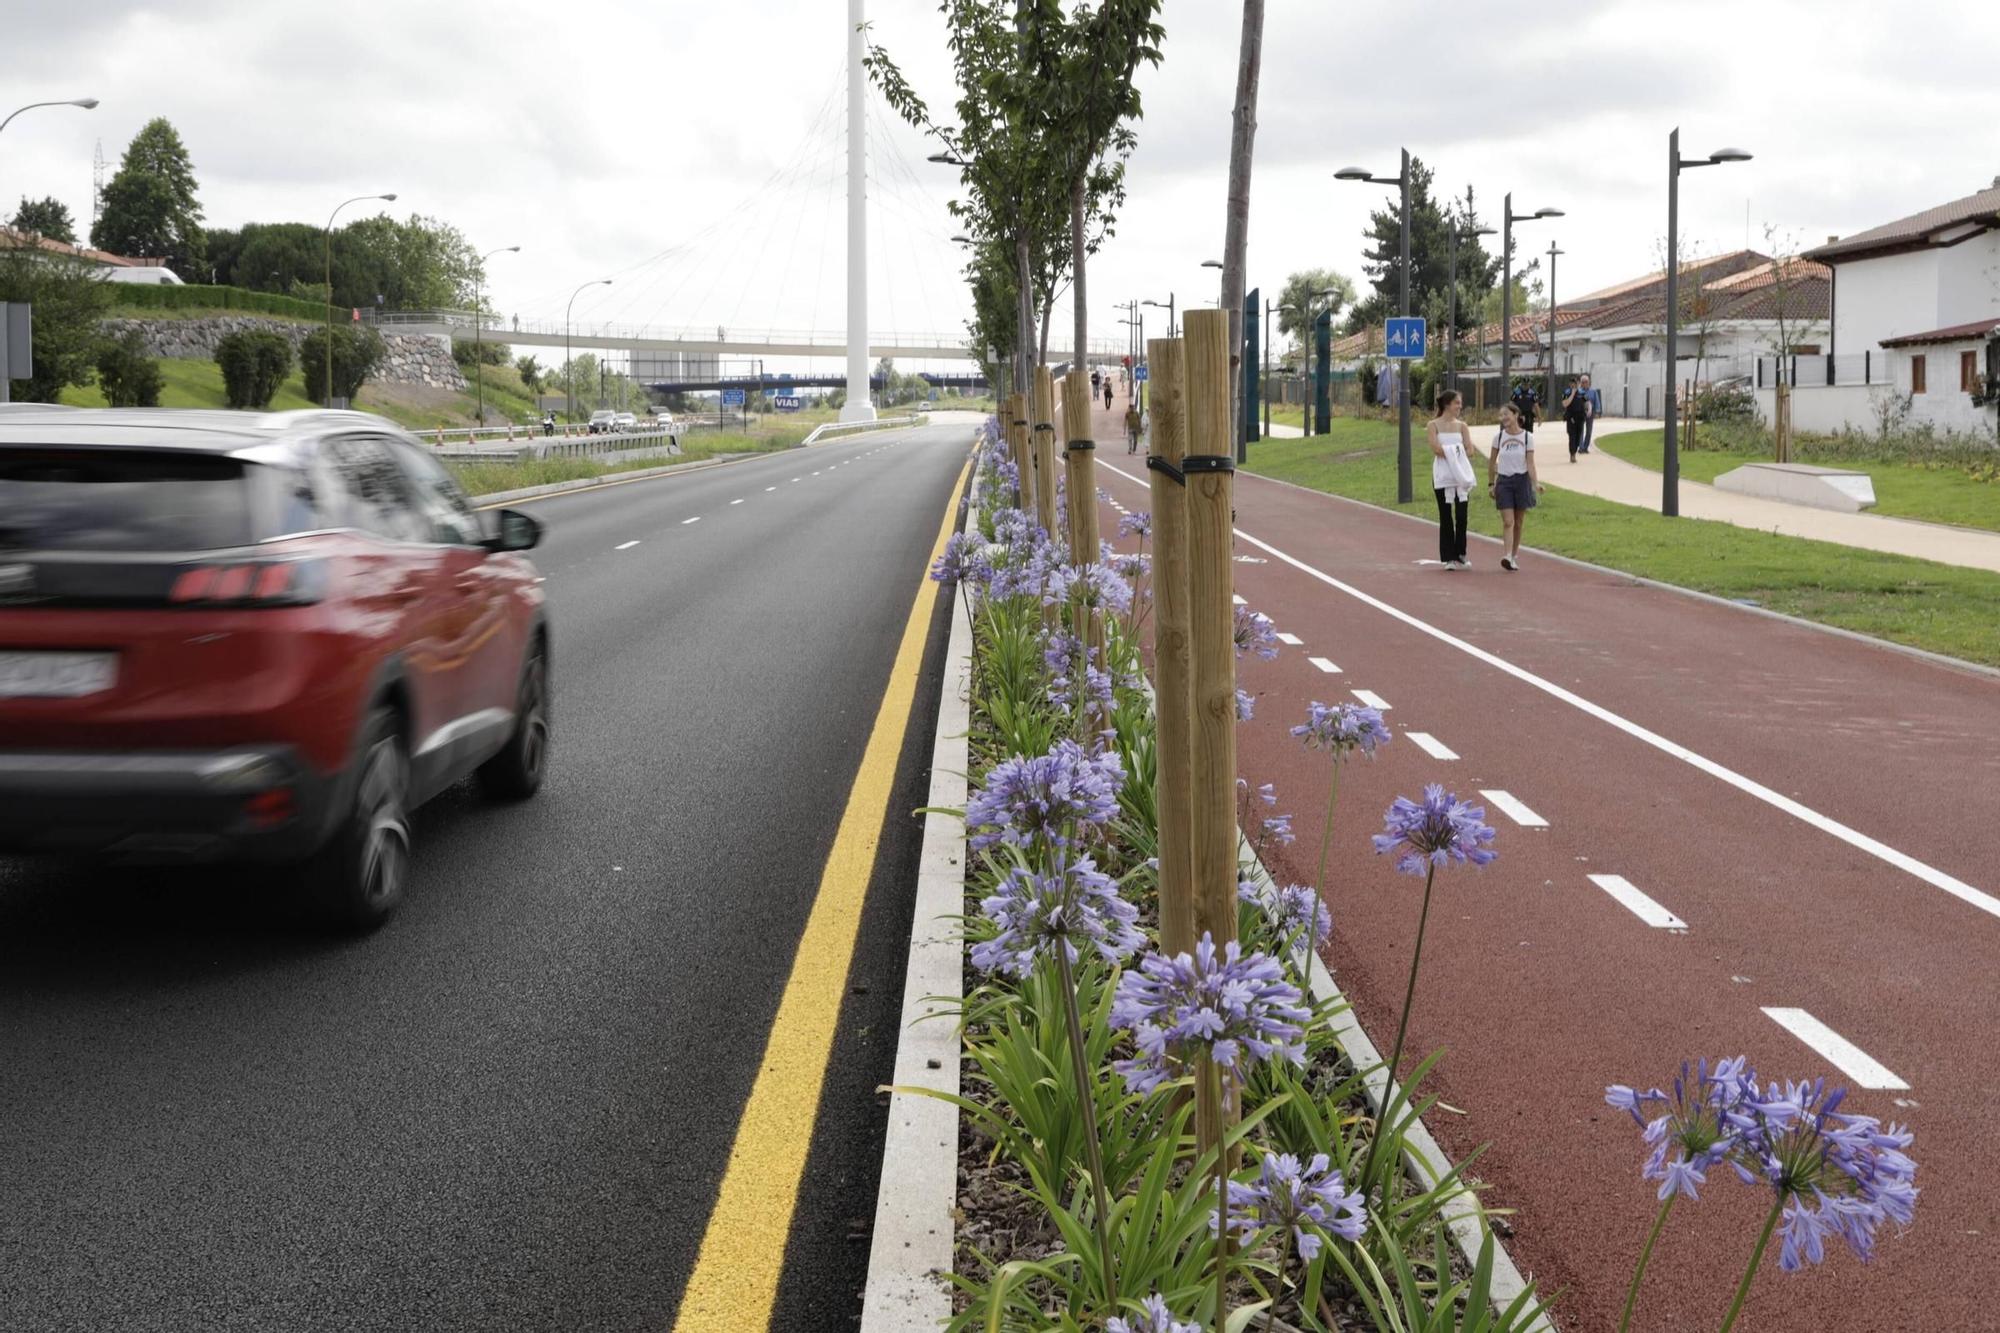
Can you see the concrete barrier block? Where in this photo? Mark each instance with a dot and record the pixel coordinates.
(1802, 484)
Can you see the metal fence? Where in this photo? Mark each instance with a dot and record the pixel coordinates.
(1865, 368)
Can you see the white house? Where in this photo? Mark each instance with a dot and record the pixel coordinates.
(1917, 301)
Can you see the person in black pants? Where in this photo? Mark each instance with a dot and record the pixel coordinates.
(1452, 478)
(1576, 416)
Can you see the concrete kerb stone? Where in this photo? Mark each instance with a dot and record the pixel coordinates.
(916, 1203)
(1423, 1160)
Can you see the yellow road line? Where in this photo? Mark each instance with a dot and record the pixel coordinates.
(735, 1280)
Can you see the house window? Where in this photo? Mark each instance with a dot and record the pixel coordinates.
(1968, 372)
(1806, 349)
(1917, 375)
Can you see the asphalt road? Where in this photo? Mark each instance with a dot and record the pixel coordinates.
(1629, 719)
(511, 1108)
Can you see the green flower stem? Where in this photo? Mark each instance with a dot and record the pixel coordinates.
(1632, 1296)
(1756, 1257)
(1092, 1151)
(1319, 880)
(1402, 1027)
(1221, 1203)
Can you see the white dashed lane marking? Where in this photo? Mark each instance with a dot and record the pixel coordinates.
(625, 546)
(770, 488)
(1324, 665)
(1510, 806)
(1431, 745)
(1372, 699)
(1837, 1050)
(695, 519)
(1627, 895)
(1237, 598)
(736, 502)
(1290, 640)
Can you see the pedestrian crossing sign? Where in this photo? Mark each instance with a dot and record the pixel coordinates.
(1405, 338)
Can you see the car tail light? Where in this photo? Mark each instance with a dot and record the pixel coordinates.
(250, 583)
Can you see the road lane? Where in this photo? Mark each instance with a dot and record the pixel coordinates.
(510, 1108)
(1543, 987)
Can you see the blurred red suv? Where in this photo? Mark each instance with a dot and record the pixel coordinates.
(255, 636)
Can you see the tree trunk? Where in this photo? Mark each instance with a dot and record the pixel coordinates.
(1042, 347)
(1236, 237)
(1076, 248)
(1024, 344)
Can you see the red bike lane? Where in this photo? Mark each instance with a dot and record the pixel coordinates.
(1795, 822)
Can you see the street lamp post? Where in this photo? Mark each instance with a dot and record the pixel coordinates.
(1670, 463)
(569, 359)
(1266, 395)
(1173, 329)
(479, 323)
(87, 103)
(1404, 491)
(1553, 252)
(385, 198)
(1451, 320)
(1510, 217)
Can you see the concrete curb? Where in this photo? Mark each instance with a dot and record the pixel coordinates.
(916, 1203)
(1423, 1160)
(1908, 650)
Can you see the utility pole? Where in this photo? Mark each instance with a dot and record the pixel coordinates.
(857, 407)
(1553, 252)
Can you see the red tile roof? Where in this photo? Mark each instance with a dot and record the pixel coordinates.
(12, 238)
(1957, 333)
(1982, 208)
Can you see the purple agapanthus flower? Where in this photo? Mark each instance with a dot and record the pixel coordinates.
(1291, 909)
(1341, 729)
(1048, 799)
(1246, 705)
(1278, 829)
(1094, 585)
(1311, 1200)
(963, 560)
(1255, 634)
(1138, 523)
(1156, 1318)
(1130, 564)
(1692, 1130)
(1072, 905)
(1434, 833)
(1234, 1008)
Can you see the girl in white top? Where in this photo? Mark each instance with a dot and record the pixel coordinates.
(1451, 478)
(1511, 481)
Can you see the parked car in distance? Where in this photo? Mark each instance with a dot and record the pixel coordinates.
(624, 421)
(924, 406)
(257, 637)
(603, 421)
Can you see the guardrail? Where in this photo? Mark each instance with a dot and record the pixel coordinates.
(833, 426)
(603, 447)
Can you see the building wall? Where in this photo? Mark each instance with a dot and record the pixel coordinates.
(1819, 410)
(1969, 281)
(1885, 297)
(1943, 404)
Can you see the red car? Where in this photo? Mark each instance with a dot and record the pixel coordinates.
(270, 637)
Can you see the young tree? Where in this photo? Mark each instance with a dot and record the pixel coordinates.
(128, 377)
(69, 298)
(357, 351)
(150, 208)
(1303, 287)
(531, 372)
(1236, 225)
(48, 217)
(254, 364)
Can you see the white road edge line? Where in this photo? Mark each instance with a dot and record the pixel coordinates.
(1372, 699)
(1881, 851)
(625, 546)
(1324, 665)
(1510, 806)
(1835, 1049)
(1290, 640)
(1430, 745)
(695, 519)
(736, 502)
(1627, 895)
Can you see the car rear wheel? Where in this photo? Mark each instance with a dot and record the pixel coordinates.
(364, 871)
(515, 773)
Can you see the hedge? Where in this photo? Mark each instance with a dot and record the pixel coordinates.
(202, 296)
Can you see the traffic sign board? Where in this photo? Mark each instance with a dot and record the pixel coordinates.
(732, 397)
(786, 402)
(1140, 374)
(1405, 338)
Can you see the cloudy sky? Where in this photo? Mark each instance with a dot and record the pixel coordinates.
(693, 151)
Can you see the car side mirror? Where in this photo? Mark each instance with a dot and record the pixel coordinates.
(514, 531)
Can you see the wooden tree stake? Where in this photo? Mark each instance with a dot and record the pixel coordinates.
(1043, 416)
(1210, 468)
(1080, 456)
(1170, 647)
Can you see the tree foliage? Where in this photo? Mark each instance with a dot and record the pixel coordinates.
(254, 364)
(1303, 287)
(1430, 259)
(150, 208)
(48, 217)
(531, 372)
(69, 298)
(126, 374)
(357, 351)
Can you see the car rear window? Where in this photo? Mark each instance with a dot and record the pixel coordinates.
(119, 500)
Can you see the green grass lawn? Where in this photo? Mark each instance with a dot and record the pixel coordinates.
(1940, 494)
(1918, 602)
(194, 384)
(487, 478)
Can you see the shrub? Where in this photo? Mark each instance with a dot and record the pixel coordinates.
(254, 363)
(1725, 403)
(1366, 373)
(201, 296)
(128, 376)
(467, 353)
(357, 351)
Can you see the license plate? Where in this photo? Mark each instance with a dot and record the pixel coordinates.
(55, 675)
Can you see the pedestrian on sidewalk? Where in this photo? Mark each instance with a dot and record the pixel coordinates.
(1512, 482)
(1107, 393)
(1596, 411)
(1452, 478)
(1132, 426)
(1576, 415)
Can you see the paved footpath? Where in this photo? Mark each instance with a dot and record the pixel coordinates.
(1720, 833)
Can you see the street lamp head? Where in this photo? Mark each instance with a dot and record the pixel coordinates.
(1211, 263)
(87, 103)
(1480, 231)
(1327, 291)
(1548, 213)
(946, 159)
(386, 198)
(1729, 155)
(1353, 174)
(961, 240)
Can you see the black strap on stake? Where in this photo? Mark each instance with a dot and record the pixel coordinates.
(1208, 463)
(1157, 463)
(1043, 425)
(1020, 421)
(1076, 445)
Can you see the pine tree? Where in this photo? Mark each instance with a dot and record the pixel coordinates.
(150, 207)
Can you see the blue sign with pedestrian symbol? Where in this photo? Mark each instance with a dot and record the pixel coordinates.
(1139, 374)
(1405, 338)
(732, 397)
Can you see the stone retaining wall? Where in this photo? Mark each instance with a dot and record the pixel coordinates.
(409, 358)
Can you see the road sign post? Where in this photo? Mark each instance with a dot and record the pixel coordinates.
(17, 345)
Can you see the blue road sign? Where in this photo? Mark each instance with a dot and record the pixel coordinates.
(732, 397)
(1405, 338)
(786, 402)
(1139, 374)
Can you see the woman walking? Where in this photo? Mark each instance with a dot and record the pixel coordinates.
(1451, 478)
(1511, 481)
